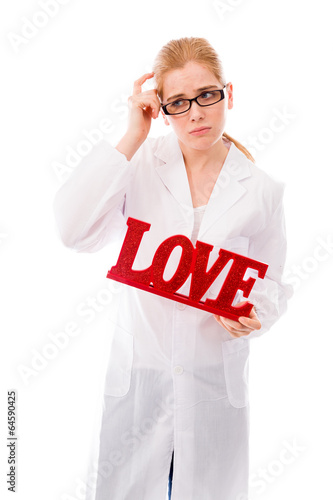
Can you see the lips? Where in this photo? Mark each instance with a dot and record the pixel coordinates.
(199, 129)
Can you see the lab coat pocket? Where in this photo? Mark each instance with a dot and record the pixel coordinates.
(119, 369)
(236, 370)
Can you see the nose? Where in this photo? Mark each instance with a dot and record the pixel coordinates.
(196, 111)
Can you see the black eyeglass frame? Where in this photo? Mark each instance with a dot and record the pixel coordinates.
(166, 112)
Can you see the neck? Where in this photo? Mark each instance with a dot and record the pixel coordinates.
(200, 160)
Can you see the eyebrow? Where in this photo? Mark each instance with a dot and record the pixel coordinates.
(197, 90)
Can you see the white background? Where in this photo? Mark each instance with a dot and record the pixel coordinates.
(77, 70)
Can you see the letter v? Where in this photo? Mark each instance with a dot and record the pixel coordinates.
(201, 279)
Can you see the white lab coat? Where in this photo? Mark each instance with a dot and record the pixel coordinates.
(176, 380)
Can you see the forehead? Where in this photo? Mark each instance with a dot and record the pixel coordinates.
(187, 80)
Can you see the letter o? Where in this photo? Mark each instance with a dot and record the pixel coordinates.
(161, 258)
(116, 458)
(274, 127)
(115, 287)
(150, 423)
(266, 135)
(312, 261)
(223, 180)
(319, 257)
(275, 468)
(84, 144)
(159, 417)
(107, 296)
(93, 479)
(285, 460)
(53, 348)
(105, 469)
(40, 14)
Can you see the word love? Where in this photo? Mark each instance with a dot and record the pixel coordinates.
(192, 261)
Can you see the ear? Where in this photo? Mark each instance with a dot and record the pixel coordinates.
(230, 95)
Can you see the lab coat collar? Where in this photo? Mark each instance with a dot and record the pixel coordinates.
(227, 190)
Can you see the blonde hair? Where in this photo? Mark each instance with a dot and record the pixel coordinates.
(176, 53)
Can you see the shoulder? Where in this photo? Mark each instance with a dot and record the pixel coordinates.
(268, 187)
(155, 142)
(161, 147)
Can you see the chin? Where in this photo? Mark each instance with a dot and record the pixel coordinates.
(203, 141)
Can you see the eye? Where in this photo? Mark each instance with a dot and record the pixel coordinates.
(178, 103)
(206, 95)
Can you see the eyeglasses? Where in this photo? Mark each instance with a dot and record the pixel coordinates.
(206, 98)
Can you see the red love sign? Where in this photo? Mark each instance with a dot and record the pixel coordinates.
(193, 260)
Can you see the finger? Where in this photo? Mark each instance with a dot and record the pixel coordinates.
(250, 322)
(231, 323)
(140, 81)
(153, 109)
(146, 101)
(239, 330)
(223, 322)
(233, 333)
(220, 322)
(154, 105)
(219, 319)
(244, 328)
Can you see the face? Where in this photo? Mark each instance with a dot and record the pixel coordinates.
(187, 81)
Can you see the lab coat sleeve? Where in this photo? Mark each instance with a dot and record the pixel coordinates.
(269, 295)
(88, 207)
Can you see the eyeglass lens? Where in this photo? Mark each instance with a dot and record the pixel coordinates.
(206, 98)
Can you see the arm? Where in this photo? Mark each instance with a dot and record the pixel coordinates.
(269, 296)
(88, 207)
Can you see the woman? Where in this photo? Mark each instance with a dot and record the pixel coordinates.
(177, 379)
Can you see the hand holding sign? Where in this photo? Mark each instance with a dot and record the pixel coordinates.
(193, 261)
(243, 326)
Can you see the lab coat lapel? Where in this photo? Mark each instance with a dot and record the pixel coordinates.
(173, 171)
(228, 188)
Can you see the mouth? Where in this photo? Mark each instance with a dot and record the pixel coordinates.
(200, 131)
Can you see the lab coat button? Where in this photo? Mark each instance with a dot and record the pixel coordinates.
(180, 306)
(178, 370)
